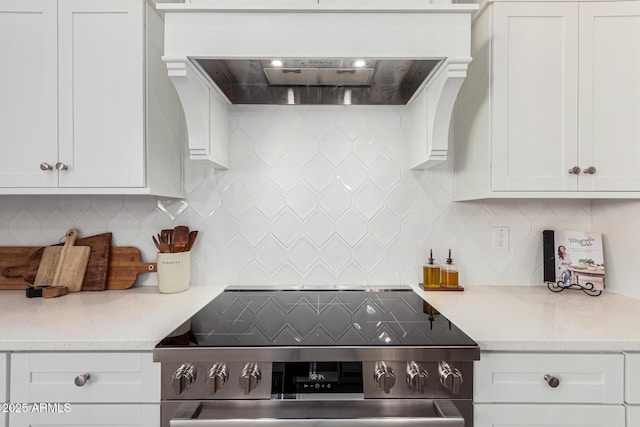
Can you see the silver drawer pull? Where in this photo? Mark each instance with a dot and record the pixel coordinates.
(552, 381)
(81, 379)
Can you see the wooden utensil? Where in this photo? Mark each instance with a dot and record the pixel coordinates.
(192, 239)
(125, 267)
(180, 238)
(97, 269)
(160, 244)
(64, 266)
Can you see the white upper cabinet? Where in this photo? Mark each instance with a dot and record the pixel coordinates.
(86, 111)
(29, 88)
(550, 105)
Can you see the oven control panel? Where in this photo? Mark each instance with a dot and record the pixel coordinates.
(294, 380)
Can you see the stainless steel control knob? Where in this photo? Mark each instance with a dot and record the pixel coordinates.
(82, 379)
(450, 378)
(250, 377)
(61, 166)
(45, 166)
(416, 377)
(183, 378)
(384, 377)
(217, 377)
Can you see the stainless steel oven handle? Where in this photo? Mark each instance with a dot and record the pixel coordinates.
(449, 417)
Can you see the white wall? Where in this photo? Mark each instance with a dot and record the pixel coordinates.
(315, 195)
(619, 221)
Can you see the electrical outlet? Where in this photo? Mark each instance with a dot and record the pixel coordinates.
(501, 239)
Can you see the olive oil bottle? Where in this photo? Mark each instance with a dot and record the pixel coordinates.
(431, 273)
(449, 273)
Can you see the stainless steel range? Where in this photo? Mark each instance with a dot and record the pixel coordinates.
(320, 358)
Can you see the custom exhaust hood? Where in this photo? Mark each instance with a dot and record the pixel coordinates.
(317, 52)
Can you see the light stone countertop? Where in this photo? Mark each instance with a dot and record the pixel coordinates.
(499, 318)
(135, 319)
(532, 318)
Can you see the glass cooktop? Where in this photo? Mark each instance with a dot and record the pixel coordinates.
(250, 318)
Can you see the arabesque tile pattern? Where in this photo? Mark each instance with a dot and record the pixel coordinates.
(318, 196)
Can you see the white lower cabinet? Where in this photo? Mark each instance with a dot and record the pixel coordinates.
(538, 415)
(549, 389)
(84, 389)
(147, 415)
(4, 387)
(632, 388)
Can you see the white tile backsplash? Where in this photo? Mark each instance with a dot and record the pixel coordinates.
(317, 196)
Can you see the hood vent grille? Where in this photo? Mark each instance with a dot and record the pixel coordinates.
(317, 81)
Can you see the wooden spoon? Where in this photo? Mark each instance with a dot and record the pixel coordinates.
(180, 238)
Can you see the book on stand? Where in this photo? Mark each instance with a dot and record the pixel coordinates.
(573, 259)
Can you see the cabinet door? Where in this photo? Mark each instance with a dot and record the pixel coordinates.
(29, 94)
(147, 415)
(494, 415)
(535, 88)
(101, 99)
(609, 131)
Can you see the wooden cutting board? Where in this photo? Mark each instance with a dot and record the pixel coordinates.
(124, 266)
(12, 256)
(64, 266)
(23, 270)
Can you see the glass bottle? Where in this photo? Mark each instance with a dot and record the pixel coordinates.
(431, 273)
(449, 273)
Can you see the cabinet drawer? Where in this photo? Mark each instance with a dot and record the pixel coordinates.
(633, 416)
(512, 415)
(632, 378)
(141, 415)
(114, 377)
(519, 377)
(4, 386)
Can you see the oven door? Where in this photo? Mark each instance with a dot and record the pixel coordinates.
(265, 413)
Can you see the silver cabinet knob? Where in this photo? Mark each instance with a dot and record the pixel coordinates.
(183, 378)
(82, 379)
(45, 166)
(250, 377)
(590, 170)
(217, 377)
(61, 166)
(450, 378)
(552, 381)
(384, 377)
(575, 170)
(416, 377)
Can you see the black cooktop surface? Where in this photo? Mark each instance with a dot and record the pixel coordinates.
(249, 318)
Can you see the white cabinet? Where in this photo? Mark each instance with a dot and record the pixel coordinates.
(4, 387)
(548, 415)
(632, 388)
(99, 388)
(520, 389)
(549, 107)
(87, 107)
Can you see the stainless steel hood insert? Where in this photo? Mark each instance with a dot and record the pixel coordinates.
(415, 54)
(314, 82)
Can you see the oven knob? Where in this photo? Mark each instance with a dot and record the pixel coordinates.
(250, 377)
(416, 377)
(217, 377)
(450, 378)
(384, 377)
(183, 378)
